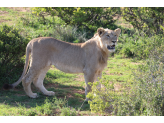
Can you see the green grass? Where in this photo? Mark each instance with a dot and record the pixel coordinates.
(10, 16)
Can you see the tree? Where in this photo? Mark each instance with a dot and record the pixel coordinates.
(149, 19)
(83, 17)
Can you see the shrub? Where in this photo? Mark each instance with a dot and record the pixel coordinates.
(148, 19)
(67, 111)
(69, 34)
(102, 100)
(138, 46)
(146, 95)
(12, 48)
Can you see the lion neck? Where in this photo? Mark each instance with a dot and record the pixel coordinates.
(104, 51)
(100, 45)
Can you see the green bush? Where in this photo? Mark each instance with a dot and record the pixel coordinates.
(101, 100)
(12, 48)
(67, 111)
(138, 46)
(148, 19)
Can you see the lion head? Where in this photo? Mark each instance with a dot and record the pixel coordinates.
(108, 38)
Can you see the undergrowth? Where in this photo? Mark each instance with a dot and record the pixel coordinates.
(51, 107)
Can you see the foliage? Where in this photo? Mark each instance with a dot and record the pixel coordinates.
(89, 18)
(138, 46)
(100, 100)
(68, 112)
(12, 48)
(69, 34)
(54, 27)
(51, 107)
(146, 95)
(148, 19)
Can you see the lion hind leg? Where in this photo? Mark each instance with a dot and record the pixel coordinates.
(39, 82)
(26, 81)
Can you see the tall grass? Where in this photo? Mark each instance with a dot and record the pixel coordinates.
(69, 34)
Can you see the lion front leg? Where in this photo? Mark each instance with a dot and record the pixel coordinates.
(89, 77)
(97, 78)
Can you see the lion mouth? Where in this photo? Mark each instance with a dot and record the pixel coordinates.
(110, 47)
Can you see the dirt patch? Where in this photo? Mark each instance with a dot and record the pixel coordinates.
(108, 73)
(117, 86)
(3, 13)
(135, 63)
(80, 77)
(21, 9)
(50, 85)
(3, 20)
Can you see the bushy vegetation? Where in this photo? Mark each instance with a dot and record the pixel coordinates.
(146, 94)
(12, 48)
(148, 19)
(138, 46)
(83, 17)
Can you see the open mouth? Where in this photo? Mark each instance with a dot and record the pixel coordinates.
(110, 47)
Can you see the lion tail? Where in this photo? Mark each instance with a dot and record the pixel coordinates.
(11, 86)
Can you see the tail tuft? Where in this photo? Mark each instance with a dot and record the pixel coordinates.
(7, 86)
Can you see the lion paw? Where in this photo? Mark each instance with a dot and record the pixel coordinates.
(34, 95)
(50, 93)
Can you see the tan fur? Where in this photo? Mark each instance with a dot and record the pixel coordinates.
(89, 58)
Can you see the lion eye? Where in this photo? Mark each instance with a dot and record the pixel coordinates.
(108, 36)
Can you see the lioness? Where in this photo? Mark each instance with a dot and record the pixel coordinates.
(89, 58)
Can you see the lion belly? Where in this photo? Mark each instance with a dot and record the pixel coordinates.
(67, 68)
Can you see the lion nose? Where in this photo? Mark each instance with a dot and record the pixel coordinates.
(114, 41)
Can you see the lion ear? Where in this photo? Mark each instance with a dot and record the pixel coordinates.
(118, 31)
(100, 31)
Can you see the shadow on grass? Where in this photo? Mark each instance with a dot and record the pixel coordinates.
(75, 95)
